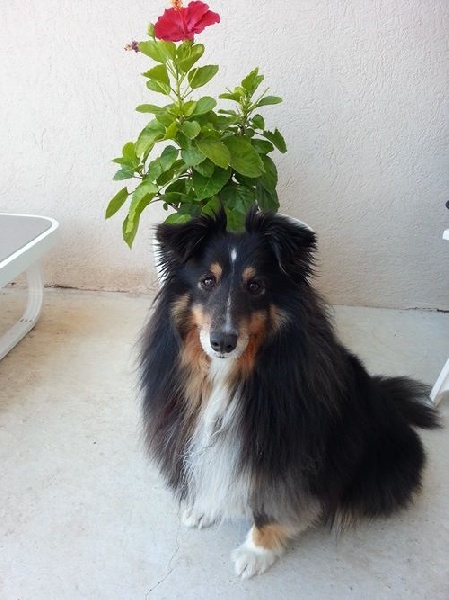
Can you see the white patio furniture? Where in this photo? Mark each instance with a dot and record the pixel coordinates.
(441, 386)
(24, 240)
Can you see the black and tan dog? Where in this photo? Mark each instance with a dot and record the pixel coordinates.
(253, 407)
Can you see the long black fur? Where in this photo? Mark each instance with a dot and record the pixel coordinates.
(313, 423)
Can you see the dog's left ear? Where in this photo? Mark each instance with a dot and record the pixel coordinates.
(292, 242)
(179, 243)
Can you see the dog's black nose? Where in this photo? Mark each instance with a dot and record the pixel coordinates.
(223, 341)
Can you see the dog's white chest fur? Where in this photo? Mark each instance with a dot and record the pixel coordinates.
(217, 487)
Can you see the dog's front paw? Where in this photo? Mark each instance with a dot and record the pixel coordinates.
(194, 518)
(250, 560)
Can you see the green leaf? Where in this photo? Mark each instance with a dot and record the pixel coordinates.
(158, 50)
(258, 121)
(152, 133)
(116, 203)
(151, 48)
(154, 169)
(128, 158)
(266, 100)
(168, 49)
(131, 222)
(125, 173)
(165, 119)
(158, 86)
(130, 230)
(231, 113)
(222, 123)
(262, 146)
(212, 207)
(123, 161)
(190, 206)
(125, 234)
(183, 50)
(158, 73)
(170, 132)
(205, 187)
(269, 179)
(210, 122)
(229, 96)
(188, 56)
(191, 129)
(188, 108)
(183, 141)
(151, 108)
(238, 197)
(128, 152)
(252, 81)
(244, 157)
(236, 95)
(167, 175)
(175, 198)
(206, 168)
(236, 220)
(277, 139)
(178, 218)
(144, 188)
(267, 200)
(163, 163)
(179, 186)
(215, 150)
(204, 105)
(168, 157)
(201, 75)
(192, 156)
(136, 208)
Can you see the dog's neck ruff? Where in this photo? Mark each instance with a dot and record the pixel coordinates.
(215, 489)
(219, 399)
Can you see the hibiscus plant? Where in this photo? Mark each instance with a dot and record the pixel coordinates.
(210, 157)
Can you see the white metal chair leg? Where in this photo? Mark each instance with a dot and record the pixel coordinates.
(33, 308)
(35, 284)
(441, 386)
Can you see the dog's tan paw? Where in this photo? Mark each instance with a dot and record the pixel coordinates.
(192, 518)
(250, 560)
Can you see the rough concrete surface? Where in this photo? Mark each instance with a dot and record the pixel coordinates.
(84, 515)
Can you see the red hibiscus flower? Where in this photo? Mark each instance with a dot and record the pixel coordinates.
(180, 23)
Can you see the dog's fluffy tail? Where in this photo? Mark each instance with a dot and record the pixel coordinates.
(412, 399)
(390, 471)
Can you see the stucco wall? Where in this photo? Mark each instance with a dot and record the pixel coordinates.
(365, 116)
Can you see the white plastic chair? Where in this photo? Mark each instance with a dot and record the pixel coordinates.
(24, 240)
(441, 386)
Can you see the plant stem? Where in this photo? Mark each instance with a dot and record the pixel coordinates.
(179, 97)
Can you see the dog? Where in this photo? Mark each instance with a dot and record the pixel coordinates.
(252, 407)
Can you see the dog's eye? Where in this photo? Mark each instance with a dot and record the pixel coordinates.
(208, 282)
(254, 287)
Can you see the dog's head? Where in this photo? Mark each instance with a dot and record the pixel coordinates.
(236, 284)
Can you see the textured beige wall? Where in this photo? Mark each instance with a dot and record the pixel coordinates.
(365, 116)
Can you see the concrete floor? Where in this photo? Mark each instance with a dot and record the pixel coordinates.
(83, 514)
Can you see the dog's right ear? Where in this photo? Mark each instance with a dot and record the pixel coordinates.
(181, 242)
(293, 243)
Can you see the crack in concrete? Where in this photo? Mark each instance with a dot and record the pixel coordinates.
(170, 569)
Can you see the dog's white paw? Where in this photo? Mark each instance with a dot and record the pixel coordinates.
(250, 560)
(193, 518)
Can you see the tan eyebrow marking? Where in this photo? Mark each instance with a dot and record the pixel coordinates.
(216, 269)
(248, 273)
